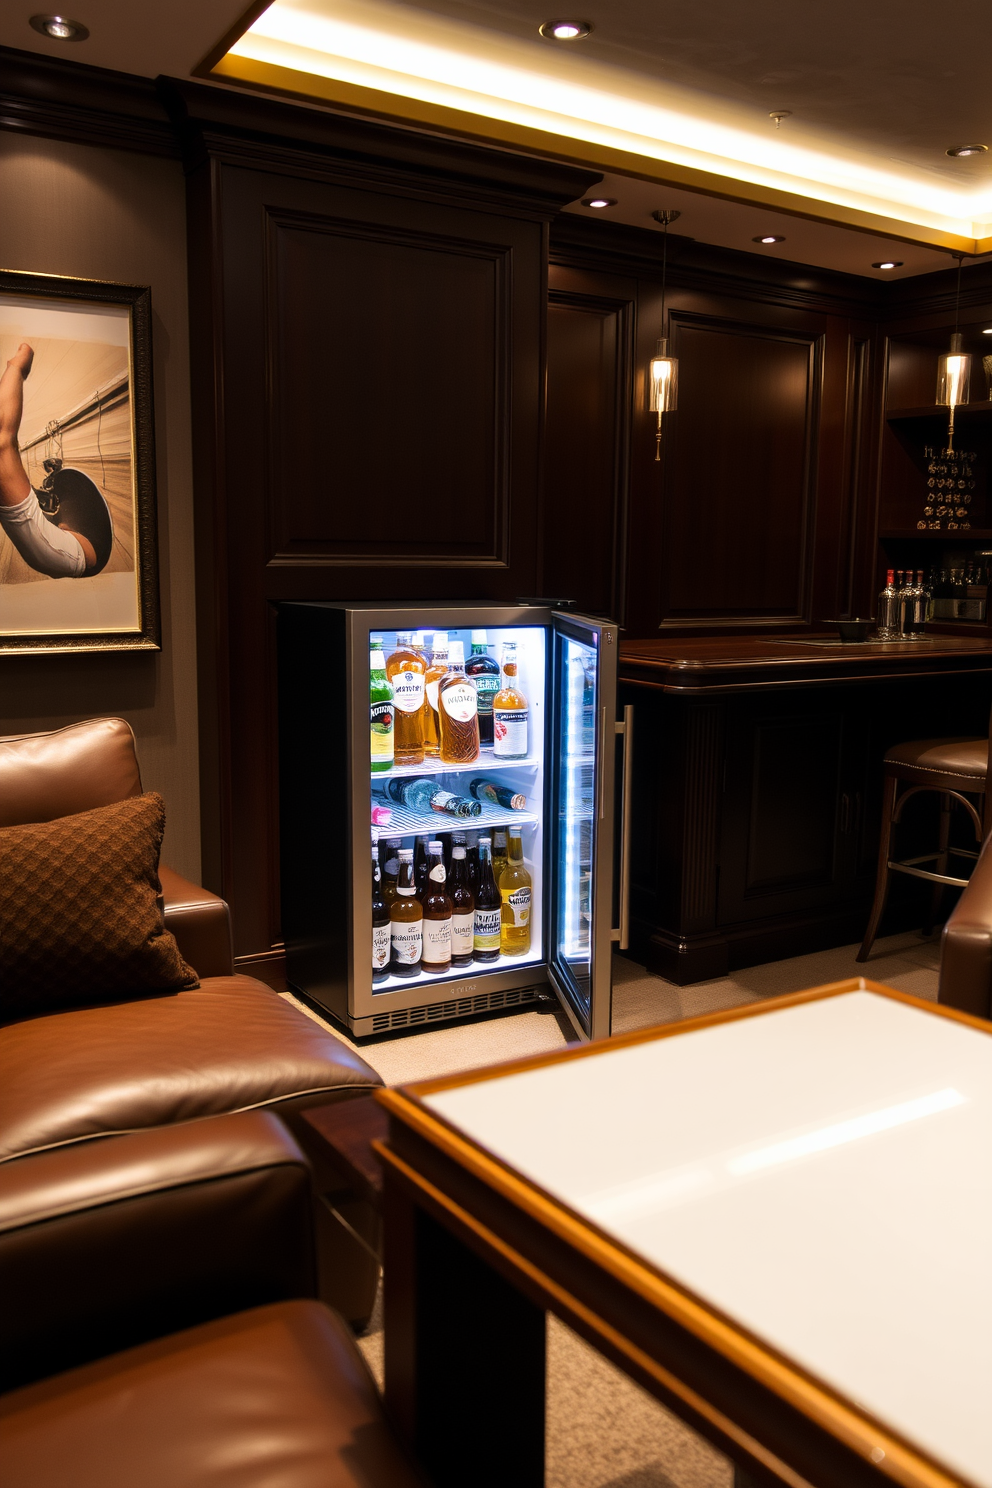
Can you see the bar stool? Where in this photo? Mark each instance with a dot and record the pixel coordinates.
(955, 769)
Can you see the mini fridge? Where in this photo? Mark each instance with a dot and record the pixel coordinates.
(568, 782)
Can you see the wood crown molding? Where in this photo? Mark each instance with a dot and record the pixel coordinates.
(84, 105)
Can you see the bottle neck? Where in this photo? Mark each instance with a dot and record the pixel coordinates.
(515, 849)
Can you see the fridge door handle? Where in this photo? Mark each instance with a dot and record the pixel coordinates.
(625, 730)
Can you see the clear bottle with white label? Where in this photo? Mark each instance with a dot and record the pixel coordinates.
(406, 922)
(462, 909)
(438, 909)
(515, 892)
(458, 711)
(510, 711)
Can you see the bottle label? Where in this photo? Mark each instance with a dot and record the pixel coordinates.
(381, 717)
(437, 873)
(510, 731)
(407, 941)
(486, 930)
(432, 693)
(460, 701)
(462, 931)
(443, 801)
(408, 691)
(486, 688)
(380, 947)
(518, 902)
(437, 941)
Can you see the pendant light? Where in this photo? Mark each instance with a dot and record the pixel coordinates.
(954, 369)
(663, 378)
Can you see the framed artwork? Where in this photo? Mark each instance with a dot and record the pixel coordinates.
(78, 559)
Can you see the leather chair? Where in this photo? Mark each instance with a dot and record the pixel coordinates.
(230, 1045)
(262, 1384)
(966, 944)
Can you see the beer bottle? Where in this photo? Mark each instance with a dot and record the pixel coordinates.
(515, 893)
(420, 864)
(380, 924)
(380, 709)
(457, 712)
(483, 670)
(499, 854)
(472, 858)
(486, 930)
(496, 794)
(405, 670)
(406, 921)
(436, 670)
(437, 913)
(509, 711)
(462, 909)
(389, 857)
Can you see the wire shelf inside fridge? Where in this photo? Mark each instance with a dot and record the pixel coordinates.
(406, 821)
(484, 763)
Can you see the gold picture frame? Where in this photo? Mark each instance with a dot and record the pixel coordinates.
(78, 539)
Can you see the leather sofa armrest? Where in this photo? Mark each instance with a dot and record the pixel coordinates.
(201, 923)
(966, 944)
(110, 1243)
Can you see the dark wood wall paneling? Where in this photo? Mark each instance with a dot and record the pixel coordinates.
(754, 517)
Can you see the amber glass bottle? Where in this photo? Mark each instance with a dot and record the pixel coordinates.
(486, 937)
(436, 670)
(437, 913)
(457, 712)
(405, 671)
(462, 909)
(406, 921)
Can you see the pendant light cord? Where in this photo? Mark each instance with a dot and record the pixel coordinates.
(957, 296)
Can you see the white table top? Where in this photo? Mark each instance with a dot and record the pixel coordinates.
(822, 1174)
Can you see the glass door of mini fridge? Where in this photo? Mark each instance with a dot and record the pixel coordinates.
(583, 732)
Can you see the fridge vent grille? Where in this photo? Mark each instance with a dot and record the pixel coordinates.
(458, 1007)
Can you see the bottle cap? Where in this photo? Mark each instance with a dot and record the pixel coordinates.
(458, 851)
(406, 854)
(485, 842)
(435, 847)
(514, 831)
(478, 638)
(456, 654)
(440, 640)
(394, 841)
(402, 638)
(375, 640)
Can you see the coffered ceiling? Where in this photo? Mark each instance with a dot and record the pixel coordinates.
(671, 100)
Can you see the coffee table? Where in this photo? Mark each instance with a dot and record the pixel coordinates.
(778, 1219)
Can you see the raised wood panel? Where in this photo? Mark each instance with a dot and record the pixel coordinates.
(586, 434)
(388, 382)
(740, 461)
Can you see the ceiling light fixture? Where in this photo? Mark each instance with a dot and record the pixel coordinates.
(888, 263)
(59, 27)
(663, 378)
(600, 201)
(566, 30)
(768, 238)
(954, 368)
(961, 152)
(779, 114)
(987, 331)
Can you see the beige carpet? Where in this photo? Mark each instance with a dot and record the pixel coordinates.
(603, 1430)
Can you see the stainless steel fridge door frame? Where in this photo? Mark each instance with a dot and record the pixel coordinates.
(364, 1002)
(582, 628)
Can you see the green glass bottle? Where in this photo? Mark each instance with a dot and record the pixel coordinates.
(380, 709)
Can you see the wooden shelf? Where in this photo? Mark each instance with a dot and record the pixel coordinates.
(938, 411)
(971, 534)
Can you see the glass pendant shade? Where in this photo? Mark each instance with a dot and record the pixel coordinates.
(664, 380)
(954, 375)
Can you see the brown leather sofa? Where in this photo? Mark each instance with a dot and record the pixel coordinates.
(112, 1071)
(146, 1235)
(966, 944)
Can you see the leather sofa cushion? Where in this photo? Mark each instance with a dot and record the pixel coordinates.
(276, 1395)
(80, 910)
(70, 769)
(230, 1045)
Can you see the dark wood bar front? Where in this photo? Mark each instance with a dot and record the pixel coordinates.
(757, 771)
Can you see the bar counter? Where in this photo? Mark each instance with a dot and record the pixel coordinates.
(757, 772)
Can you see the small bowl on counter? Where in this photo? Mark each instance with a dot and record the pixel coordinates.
(852, 630)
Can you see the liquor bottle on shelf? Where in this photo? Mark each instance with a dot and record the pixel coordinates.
(462, 909)
(458, 711)
(500, 857)
(515, 892)
(406, 921)
(420, 863)
(498, 795)
(419, 793)
(510, 711)
(380, 709)
(419, 643)
(486, 930)
(887, 613)
(903, 582)
(390, 867)
(472, 858)
(916, 610)
(380, 924)
(483, 670)
(438, 910)
(405, 670)
(436, 670)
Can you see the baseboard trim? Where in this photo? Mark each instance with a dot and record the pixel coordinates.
(267, 966)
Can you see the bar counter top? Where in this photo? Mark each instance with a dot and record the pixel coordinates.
(694, 665)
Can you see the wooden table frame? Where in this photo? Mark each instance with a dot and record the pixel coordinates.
(474, 1257)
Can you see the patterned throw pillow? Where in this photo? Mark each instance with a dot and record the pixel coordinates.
(81, 913)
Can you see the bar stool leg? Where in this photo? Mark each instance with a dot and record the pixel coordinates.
(882, 876)
(943, 860)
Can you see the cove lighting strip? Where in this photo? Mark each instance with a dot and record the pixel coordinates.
(451, 65)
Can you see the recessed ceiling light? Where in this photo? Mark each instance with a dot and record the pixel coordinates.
(566, 30)
(888, 263)
(600, 201)
(987, 331)
(59, 27)
(768, 238)
(960, 151)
